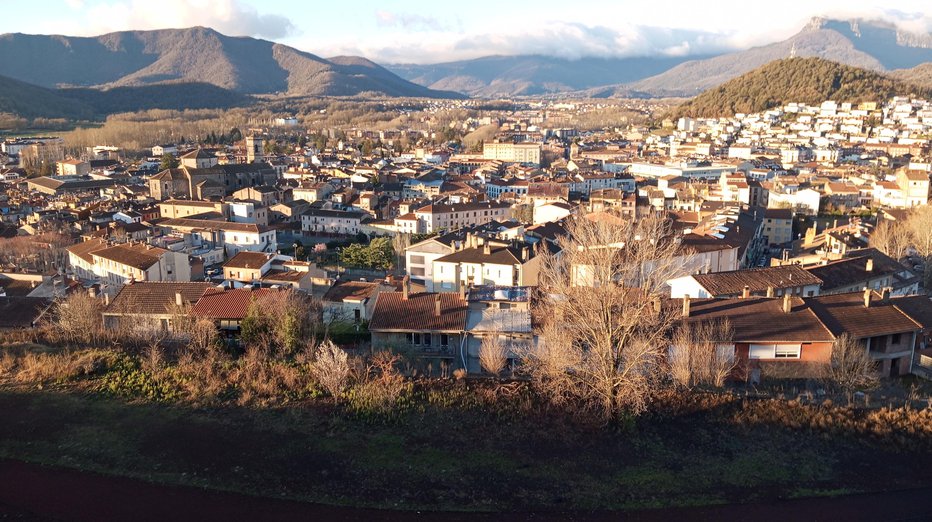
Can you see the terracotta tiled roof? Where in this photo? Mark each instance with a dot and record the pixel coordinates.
(418, 312)
(22, 312)
(758, 279)
(352, 290)
(86, 248)
(227, 304)
(846, 272)
(847, 313)
(247, 259)
(154, 297)
(761, 319)
(138, 255)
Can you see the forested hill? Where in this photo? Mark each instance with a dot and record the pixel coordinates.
(805, 80)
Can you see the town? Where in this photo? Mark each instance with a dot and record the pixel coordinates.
(813, 204)
(573, 270)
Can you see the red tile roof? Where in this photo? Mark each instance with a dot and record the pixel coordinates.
(227, 304)
(418, 312)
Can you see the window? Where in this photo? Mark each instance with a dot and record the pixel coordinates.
(427, 339)
(786, 351)
(417, 339)
(417, 260)
(444, 340)
(895, 338)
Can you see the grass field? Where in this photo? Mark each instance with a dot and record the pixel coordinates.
(442, 455)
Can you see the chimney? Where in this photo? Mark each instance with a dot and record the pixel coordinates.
(405, 287)
(870, 265)
(92, 291)
(178, 300)
(437, 305)
(686, 305)
(746, 292)
(885, 294)
(867, 298)
(106, 299)
(769, 291)
(787, 303)
(487, 249)
(525, 253)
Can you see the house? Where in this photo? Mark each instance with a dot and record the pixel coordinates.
(73, 167)
(770, 335)
(247, 266)
(553, 211)
(327, 221)
(117, 264)
(890, 328)
(151, 305)
(502, 311)
(914, 186)
(428, 326)
(352, 301)
(778, 225)
(793, 336)
(486, 262)
(448, 217)
(227, 308)
(232, 237)
(866, 268)
(770, 282)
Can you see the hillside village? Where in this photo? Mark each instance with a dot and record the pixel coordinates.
(771, 213)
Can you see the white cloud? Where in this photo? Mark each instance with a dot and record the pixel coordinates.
(230, 17)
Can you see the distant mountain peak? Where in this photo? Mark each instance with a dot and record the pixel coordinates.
(194, 54)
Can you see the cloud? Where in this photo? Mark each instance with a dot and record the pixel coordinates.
(411, 22)
(569, 40)
(230, 17)
(692, 31)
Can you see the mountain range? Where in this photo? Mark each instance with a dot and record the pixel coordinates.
(195, 55)
(496, 76)
(873, 45)
(87, 77)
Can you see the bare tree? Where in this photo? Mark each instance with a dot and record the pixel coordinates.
(919, 228)
(78, 318)
(331, 368)
(891, 238)
(851, 367)
(601, 319)
(695, 356)
(493, 354)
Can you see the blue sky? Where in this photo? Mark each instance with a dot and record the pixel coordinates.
(430, 31)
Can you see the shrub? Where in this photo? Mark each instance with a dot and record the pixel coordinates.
(331, 368)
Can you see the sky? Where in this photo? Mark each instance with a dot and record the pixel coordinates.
(416, 31)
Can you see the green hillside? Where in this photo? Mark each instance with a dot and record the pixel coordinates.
(31, 101)
(805, 80)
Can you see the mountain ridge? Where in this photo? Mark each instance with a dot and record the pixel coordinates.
(193, 55)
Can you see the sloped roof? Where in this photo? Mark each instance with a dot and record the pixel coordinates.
(352, 290)
(138, 255)
(418, 312)
(247, 259)
(758, 279)
(227, 304)
(761, 319)
(21, 311)
(154, 297)
(846, 313)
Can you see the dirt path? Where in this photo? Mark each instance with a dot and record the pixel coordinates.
(30, 492)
